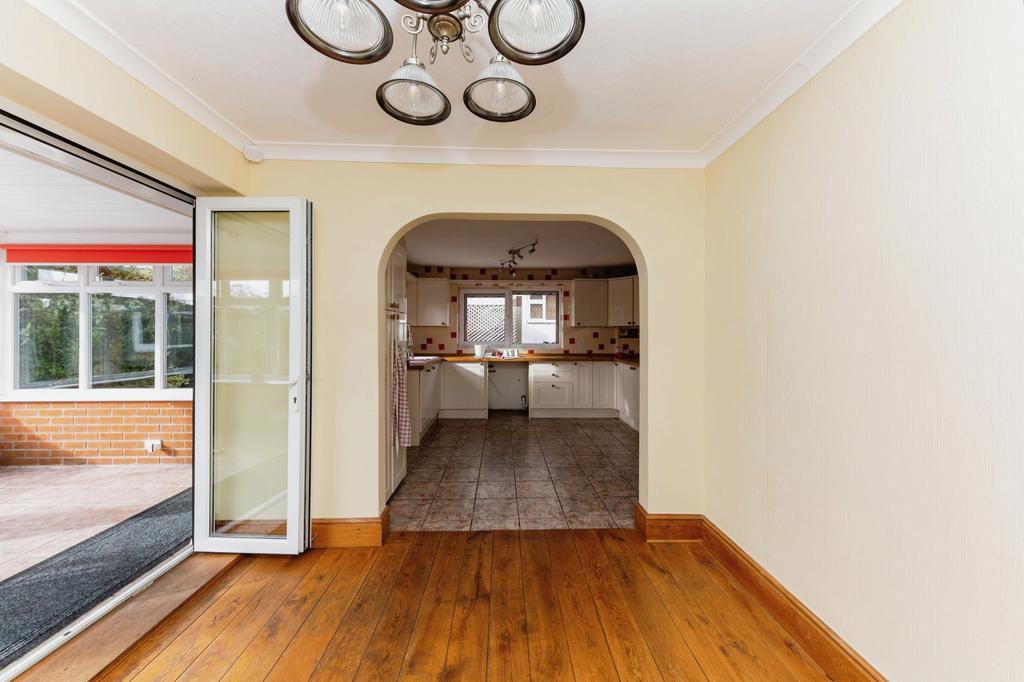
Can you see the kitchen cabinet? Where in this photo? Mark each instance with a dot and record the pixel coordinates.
(603, 385)
(552, 396)
(464, 389)
(411, 291)
(432, 302)
(582, 384)
(636, 301)
(424, 394)
(620, 302)
(394, 281)
(590, 303)
(628, 393)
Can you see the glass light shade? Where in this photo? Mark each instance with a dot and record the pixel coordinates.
(499, 93)
(536, 31)
(412, 96)
(352, 31)
(432, 6)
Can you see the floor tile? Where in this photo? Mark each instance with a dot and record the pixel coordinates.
(461, 474)
(539, 507)
(416, 491)
(534, 489)
(456, 489)
(451, 507)
(496, 489)
(496, 474)
(532, 474)
(582, 505)
(496, 507)
(589, 520)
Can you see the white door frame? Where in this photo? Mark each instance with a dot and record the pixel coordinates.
(297, 535)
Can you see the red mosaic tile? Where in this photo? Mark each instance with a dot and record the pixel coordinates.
(426, 268)
(440, 346)
(590, 352)
(572, 342)
(611, 340)
(566, 293)
(465, 276)
(458, 351)
(430, 340)
(423, 346)
(596, 334)
(494, 277)
(565, 317)
(529, 352)
(455, 299)
(455, 335)
(482, 271)
(600, 346)
(548, 277)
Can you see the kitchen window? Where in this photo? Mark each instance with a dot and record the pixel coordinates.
(510, 317)
(112, 331)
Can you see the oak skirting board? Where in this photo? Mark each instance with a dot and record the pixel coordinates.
(837, 658)
(368, 532)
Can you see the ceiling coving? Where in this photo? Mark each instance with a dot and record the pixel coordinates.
(528, 32)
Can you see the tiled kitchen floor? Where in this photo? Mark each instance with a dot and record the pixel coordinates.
(510, 472)
(46, 509)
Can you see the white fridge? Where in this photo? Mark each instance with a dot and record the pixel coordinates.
(396, 340)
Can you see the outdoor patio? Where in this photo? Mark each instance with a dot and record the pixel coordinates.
(46, 509)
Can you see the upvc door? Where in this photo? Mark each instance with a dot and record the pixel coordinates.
(252, 378)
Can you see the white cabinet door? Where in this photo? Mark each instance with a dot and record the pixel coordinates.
(620, 302)
(603, 381)
(465, 386)
(549, 396)
(432, 302)
(411, 291)
(582, 384)
(628, 394)
(590, 303)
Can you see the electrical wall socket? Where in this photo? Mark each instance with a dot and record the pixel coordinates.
(153, 445)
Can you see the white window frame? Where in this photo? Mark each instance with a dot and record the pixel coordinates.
(509, 292)
(10, 286)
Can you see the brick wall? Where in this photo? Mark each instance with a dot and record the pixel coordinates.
(95, 432)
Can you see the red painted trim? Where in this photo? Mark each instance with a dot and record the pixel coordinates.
(98, 254)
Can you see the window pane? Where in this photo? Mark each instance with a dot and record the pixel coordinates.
(124, 273)
(180, 332)
(47, 340)
(485, 318)
(50, 273)
(123, 340)
(181, 273)
(540, 323)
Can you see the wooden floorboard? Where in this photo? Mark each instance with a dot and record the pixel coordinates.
(504, 605)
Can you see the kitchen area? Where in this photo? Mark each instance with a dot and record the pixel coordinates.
(515, 390)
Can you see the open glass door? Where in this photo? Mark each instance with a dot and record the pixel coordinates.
(252, 375)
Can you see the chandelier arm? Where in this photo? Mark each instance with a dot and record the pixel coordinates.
(413, 24)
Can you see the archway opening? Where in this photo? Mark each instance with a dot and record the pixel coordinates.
(511, 374)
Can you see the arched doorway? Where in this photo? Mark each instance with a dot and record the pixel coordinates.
(525, 393)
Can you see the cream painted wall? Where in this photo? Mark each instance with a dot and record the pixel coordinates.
(361, 210)
(46, 70)
(864, 336)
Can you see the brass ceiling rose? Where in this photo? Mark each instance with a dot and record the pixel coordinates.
(445, 28)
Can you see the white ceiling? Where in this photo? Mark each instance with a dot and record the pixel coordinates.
(485, 243)
(43, 203)
(651, 83)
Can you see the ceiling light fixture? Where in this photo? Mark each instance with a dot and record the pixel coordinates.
(529, 32)
(515, 256)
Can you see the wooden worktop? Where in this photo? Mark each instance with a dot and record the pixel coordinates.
(576, 357)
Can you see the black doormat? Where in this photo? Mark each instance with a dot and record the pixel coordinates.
(36, 603)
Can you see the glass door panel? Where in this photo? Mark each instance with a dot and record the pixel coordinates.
(251, 375)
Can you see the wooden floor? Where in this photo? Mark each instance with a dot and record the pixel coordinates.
(498, 605)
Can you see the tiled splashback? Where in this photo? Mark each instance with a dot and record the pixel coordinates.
(583, 340)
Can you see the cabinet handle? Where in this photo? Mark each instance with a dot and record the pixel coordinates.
(633, 368)
(554, 385)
